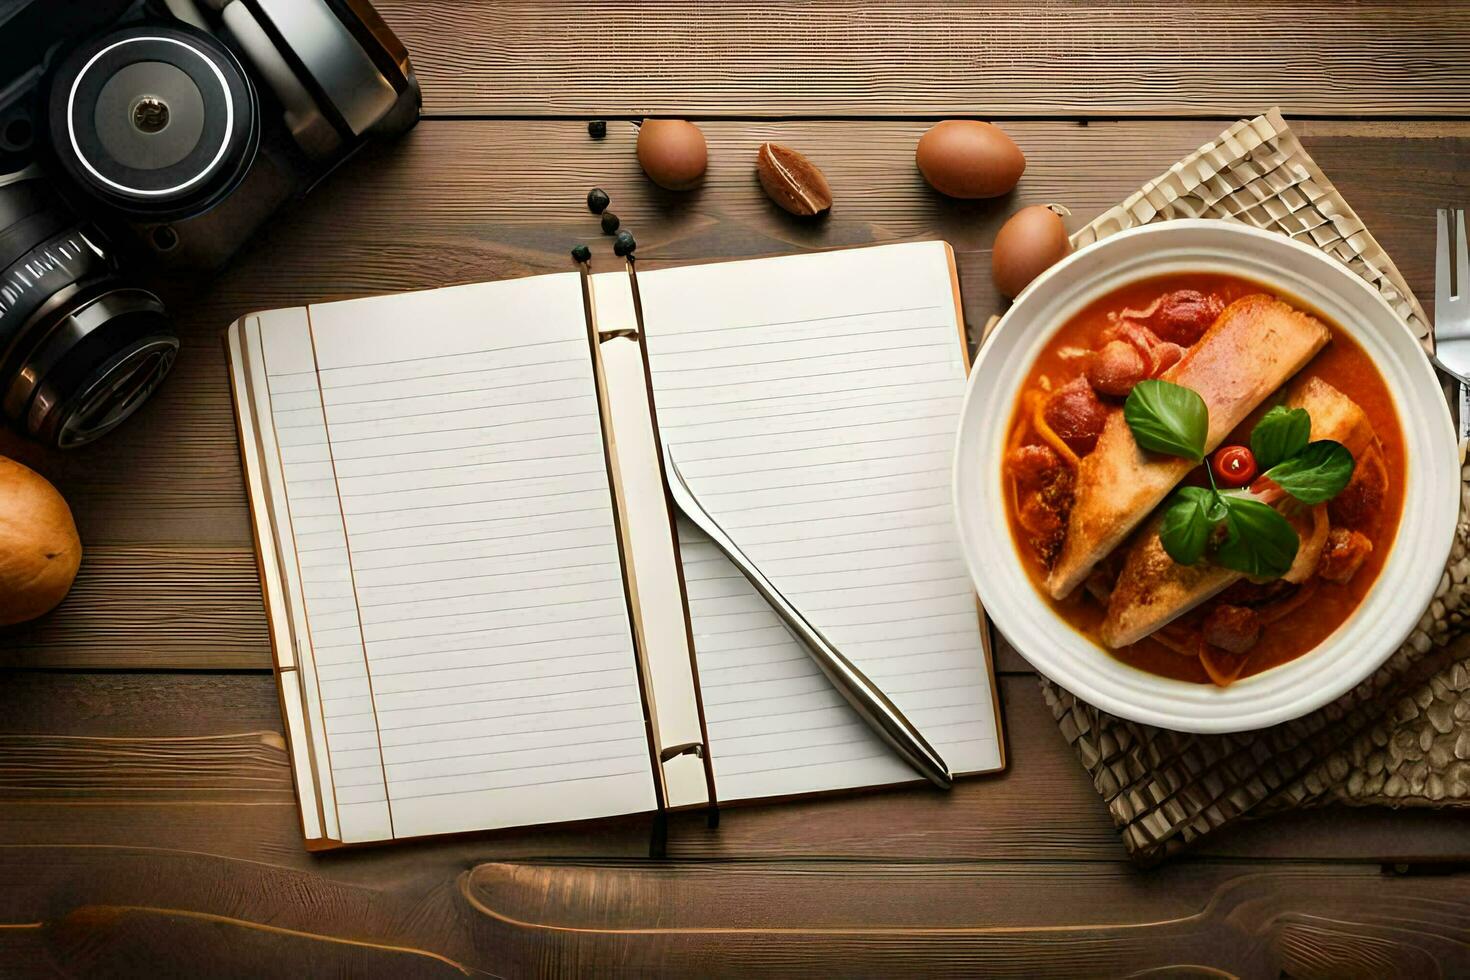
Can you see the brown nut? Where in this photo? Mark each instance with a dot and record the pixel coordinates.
(792, 181)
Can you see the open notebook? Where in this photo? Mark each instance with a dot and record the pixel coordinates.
(481, 612)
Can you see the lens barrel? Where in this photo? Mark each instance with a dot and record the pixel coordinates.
(80, 351)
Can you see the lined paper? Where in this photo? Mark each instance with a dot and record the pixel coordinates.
(442, 454)
(320, 556)
(811, 404)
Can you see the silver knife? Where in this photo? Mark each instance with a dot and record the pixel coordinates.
(871, 704)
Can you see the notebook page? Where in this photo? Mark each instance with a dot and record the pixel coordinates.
(811, 403)
(449, 497)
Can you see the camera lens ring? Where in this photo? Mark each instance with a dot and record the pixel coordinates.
(93, 101)
(38, 285)
(97, 365)
(119, 390)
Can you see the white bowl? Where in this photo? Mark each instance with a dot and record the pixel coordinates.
(1392, 606)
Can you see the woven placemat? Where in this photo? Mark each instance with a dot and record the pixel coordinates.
(1402, 737)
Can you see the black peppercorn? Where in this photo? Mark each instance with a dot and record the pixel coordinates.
(597, 200)
(609, 222)
(581, 253)
(597, 128)
(624, 243)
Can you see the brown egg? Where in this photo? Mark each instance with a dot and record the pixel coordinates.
(1030, 242)
(672, 153)
(964, 158)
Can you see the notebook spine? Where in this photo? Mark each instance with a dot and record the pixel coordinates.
(630, 327)
(701, 748)
(630, 589)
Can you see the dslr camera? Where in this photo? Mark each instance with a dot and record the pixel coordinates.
(163, 133)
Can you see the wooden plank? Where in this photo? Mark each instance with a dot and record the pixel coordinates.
(196, 763)
(991, 920)
(465, 201)
(1001, 58)
(160, 912)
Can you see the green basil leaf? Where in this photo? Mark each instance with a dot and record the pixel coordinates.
(1188, 522)
(1168, 418)
(1259, 542)
(1281, 434)
(1316, 474)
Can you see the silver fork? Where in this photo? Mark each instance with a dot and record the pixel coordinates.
(1452, 306)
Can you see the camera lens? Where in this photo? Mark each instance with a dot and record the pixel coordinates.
(158, 120)
(80, 350)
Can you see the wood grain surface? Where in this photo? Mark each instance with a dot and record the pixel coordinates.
(147, 825)
(853, 58)
(151, 823)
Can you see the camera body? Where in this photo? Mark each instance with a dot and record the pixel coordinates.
(158, 133)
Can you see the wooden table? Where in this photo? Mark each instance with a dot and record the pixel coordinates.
(146, 818)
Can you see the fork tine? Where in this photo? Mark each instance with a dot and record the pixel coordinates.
(1462, 257)
(1441, 263)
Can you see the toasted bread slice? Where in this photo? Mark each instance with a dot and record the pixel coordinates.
(1153, 590)
(1253, 348)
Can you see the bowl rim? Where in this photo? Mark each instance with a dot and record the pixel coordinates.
(1055, 649)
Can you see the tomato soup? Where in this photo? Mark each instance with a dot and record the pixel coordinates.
(1086, 373)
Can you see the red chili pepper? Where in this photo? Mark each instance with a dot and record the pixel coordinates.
(1234, 466)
